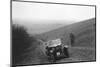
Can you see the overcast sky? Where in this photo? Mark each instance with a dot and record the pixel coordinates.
(39, 13)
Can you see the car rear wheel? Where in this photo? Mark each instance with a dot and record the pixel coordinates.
(65, 51)
(52, 59)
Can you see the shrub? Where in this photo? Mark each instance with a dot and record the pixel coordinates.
(20, 42)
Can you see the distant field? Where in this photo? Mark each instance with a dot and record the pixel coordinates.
(83, 49)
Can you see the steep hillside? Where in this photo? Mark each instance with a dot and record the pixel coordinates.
(83, 31)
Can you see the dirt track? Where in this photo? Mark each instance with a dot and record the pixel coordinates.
(76, 54)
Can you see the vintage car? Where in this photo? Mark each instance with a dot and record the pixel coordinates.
(55, 50)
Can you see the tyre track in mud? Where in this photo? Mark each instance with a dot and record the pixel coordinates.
(38, 56)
